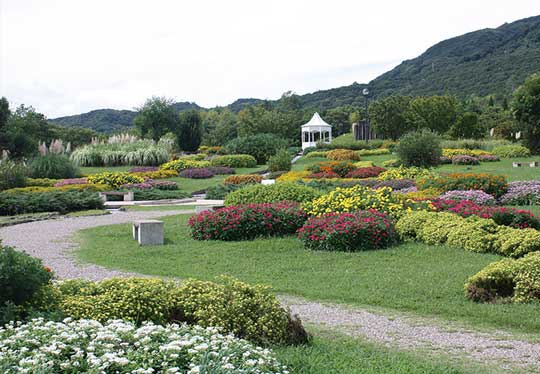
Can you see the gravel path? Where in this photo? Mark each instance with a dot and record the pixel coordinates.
(51, 241)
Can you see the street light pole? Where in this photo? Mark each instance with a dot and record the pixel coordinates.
(367, 129)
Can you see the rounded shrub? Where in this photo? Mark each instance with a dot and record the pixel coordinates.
(234, 161)
(114, 179)
(259, 193)
(342, 155)
(260, 146)
(419, 148)
(53, 166)
(202, 173)
(508, 151)
(12, 174)
(184, 163)
(281, 161)
(465, 160)
(369, 172)
(358, 231)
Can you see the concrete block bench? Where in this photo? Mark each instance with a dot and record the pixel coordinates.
(148, 232)
(532, 164)
(128, 195)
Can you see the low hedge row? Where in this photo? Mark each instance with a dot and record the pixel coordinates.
(273, 193)
(53, 201)
(514, 280)
(234, 161)
(243, 179)
(492, 184)
(243, 222)
(472, 233)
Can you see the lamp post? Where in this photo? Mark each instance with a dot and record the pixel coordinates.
(367, 129)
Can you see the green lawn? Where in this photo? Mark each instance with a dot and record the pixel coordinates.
(331, 354)
(139, 208)
(412, 277)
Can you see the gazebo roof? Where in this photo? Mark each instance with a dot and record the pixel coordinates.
(316, 121)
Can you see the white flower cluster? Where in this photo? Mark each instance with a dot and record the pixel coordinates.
(87, 346)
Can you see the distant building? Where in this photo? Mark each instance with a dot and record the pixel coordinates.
(362, 131)
(316, 131)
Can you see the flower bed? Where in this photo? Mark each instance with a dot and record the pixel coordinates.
(508, 151)
(341, 168)
(403, 172)
(501, 215)
(148, 184)
(357, 231)
(452, 152)
(342, 155)
(492, 184)
(271, 194)
(361, 198)
(476, 196)
(158, 174)
(243, 179)
(221, 170)
(522, 193)
(235, 161)
(202, 173)
(87, 346)
(488, 158)
(115, 179)
(369, 172)
(143, 169)
(323, 175)
(184, 163)
(244, 222)
(465, 160)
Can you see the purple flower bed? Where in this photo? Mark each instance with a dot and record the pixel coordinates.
(465, 160)
(406, 190)
(396, 184)
(445, 160)
(143, 169)
(202, 173)
(221, 170)
(66, 182)
(522, 193)
(476, 196)
(149, 184)
(488, 158)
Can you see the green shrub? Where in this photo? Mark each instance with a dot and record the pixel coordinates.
(492, 184)
(281, 161)
(183, 164)
(474, 234)
(158, 194)
(373, 152)
(250, 312)
(114, 179)
(419, 149)
(12, 174)
(271, 194)
(40, 182)
(515, 280)
(220, 191)
(53, 201)
(392, 163)
(21, 276)
(508, 151)
(260, 146)
(234, 161)
(53, 166)
(348, 142)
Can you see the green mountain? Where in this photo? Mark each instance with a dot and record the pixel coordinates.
(483, 62)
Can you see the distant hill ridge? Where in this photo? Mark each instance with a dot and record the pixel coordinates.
(483, 62)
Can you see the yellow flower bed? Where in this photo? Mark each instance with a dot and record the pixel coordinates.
(293, 176)
(403, 172)
(362, 198)
(451, 152)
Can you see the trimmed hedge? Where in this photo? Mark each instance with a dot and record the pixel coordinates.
(234, 161)
(273, 193)
(508, 151)
(54, 201)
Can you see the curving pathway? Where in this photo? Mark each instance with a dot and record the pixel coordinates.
(51, 241)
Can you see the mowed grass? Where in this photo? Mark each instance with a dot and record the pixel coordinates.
(425, 280)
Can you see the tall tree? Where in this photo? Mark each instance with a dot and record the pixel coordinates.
(436, 113)
(4, 117)
(156, 117)
(467, 126)
(340, 118)
(189, 130)
(526, 108)
(389, 116)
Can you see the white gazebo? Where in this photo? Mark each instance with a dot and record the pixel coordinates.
(316, 130)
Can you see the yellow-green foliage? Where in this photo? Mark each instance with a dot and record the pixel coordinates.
(451, 152)
(114, 179)
(516, 280)
(403, 172)
(472, 233)
(234, 161)
(393, 163)
(158, 174)
(250, 312)
(373, 152)
(342, 155)
(41, 182)
(183, 163)
(293, 176)
(68, 187)
(362, 198)
(316, 154)
(364, 164)
(260, 193)
(507, 151)
(243, 179)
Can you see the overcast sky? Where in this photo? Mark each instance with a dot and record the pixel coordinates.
(70, 56)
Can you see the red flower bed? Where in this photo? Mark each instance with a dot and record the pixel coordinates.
(243, 222)
(503, 216)
(357, 231)
(323, 174)
(368, 172)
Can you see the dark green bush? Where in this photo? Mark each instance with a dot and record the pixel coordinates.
(53, 166)
(158, 194)
(419, 148)
(260, 146)
(12, 175)
(53, 201)
(21, 276)
(281, 161)
(234, 161)
(220, 191)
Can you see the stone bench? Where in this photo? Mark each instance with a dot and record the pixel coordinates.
(128, 195)
(148, 232)
(532, 164)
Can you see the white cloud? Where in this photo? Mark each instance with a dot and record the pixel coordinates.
(66, 57)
